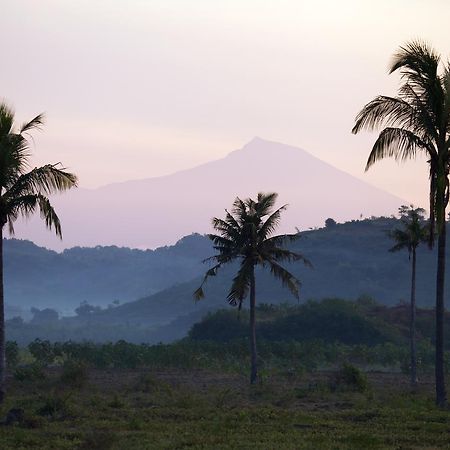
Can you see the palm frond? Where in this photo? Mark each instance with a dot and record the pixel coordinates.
(271, 223)
(34, 124)
(286, 278)
(241, 284)
(6, 119)
(402, 240)
(265, 203)
(398, 143)
(26, 205)
(282, 254)
(212, 272)
(283, 239)
(383, 110)
(46, 180)
(416, 61)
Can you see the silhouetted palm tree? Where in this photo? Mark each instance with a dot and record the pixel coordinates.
(246, 235)
(22, 192)
(418, 120)
(413, 232)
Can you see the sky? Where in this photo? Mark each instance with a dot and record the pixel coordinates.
(141, 88)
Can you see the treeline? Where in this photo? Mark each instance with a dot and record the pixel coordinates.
(307, 336)
(361, 322)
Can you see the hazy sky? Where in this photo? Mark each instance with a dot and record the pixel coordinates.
(140, 88)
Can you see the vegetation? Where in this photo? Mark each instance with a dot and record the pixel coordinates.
(409, 237)
(205, 409)
(246, 235)
(418, 120)
(310, 394)
(22, 192)
(101, 276)
(351, 256)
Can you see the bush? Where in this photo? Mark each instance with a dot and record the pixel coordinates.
(54, 407)
(221, 326)
(350, 377)
(44, 351)
(74, 373)
(32, 372)
(12, 353)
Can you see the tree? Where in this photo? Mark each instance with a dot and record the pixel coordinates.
(85, 309)
(413, 232)
(418, 120)
(246, 235)
(44, 316)
(23, 192)
(330, 223)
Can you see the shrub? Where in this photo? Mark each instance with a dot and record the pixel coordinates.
(12, 353)
(350, 377)
(32, 372)
(43, 351)
(54, 406)
(74, 373)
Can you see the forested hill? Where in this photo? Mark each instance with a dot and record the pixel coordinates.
(350, 260)
(38, 277)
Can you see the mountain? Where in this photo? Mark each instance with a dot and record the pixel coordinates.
(152, 212)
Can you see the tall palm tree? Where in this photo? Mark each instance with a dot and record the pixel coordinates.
(418, 120)
(22, 192)
(246, 235)
(413, 232)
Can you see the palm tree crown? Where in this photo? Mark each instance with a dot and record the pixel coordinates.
(417, 120)
(413, 231)
(23, 191)
(246, 234)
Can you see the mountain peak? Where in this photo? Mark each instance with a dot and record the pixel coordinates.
(259, 143)
(267, 149)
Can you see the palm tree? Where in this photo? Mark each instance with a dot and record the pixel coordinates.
(246, 235)
(412, 233)
(22, 192)
(418, 120)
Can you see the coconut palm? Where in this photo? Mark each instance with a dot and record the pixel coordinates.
(413, 232)
(246, 235)
(22, 192)
(418, 120)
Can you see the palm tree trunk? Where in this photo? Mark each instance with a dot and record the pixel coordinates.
(254, 355)
(441, 396)
(2, 324)
(413, 323)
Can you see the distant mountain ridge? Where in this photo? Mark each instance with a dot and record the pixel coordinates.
(152, 212)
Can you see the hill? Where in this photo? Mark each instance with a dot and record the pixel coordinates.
(42, 278)
(152, 212)
(350, 260)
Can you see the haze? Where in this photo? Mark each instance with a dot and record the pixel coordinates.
(138, 89)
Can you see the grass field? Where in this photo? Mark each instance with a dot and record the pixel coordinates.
(200, 409)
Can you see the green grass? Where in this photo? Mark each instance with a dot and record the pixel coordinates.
(199, 409)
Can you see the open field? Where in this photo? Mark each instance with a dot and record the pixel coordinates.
(199, 409)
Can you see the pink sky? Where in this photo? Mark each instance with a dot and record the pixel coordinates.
(135, 89)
